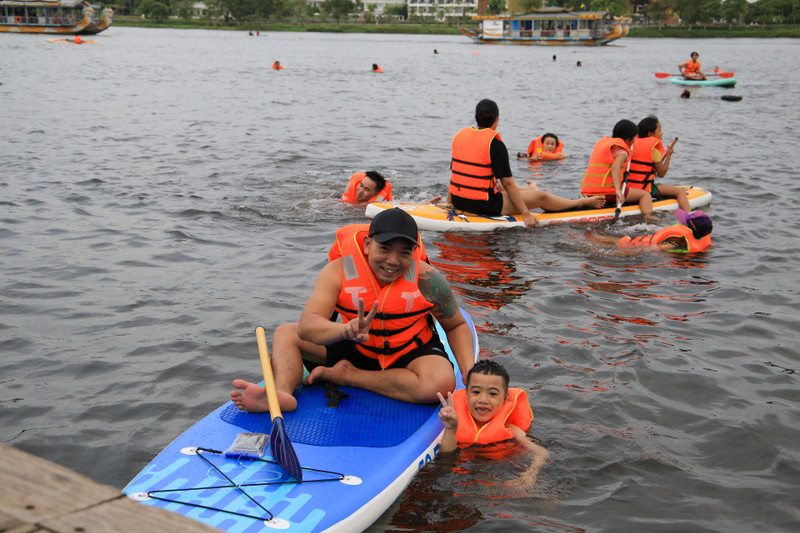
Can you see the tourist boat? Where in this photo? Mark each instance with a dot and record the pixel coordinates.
(69, 17)
(550, 26)
(102, 19)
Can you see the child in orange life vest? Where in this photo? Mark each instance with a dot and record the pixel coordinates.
(487, 411)
(608, 164)
(693, 234)
(544, 148)
(277, 66)
(651, 159)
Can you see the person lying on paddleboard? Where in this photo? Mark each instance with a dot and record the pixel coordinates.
(544, 148)
(651, 159)
(393, 348)
(693, 234)
(488, 411)
(481, 181)
(690, 69)
(367, 187)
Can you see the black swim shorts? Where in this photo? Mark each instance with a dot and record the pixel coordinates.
(346, 350)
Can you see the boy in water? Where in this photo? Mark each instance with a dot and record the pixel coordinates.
(488, 411)
(693, 234)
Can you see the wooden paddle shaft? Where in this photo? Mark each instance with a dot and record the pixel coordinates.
(269, 378)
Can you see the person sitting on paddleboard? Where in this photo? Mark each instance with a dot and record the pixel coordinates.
(651, 159)
(481, 181)
(392, 348)
(608, 165)
(691, 69)
(544, 148)
(488, 411)
(367, 187)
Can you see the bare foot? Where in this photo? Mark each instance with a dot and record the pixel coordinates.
(592, 202)
(252, 398)
(531, 184)
(334, 374)
(435, 199)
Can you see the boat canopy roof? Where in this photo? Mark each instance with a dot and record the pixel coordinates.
(548, 13)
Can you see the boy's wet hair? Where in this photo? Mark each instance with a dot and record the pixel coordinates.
(489, 368)
(380, 181)
(625, 129)
(647, 126)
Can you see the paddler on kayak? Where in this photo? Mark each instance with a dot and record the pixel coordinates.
(481, 181)
(392, 348)
(690, 69)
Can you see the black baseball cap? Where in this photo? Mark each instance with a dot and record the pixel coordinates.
(392, 224)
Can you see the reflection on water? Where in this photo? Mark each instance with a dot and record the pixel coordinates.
(480, 269)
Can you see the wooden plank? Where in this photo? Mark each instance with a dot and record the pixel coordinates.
(33, 489)
(37, 496)
(124, 514)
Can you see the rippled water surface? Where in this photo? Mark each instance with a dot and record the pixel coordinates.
(164, 191)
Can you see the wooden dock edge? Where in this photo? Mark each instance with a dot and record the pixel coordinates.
(37, 496)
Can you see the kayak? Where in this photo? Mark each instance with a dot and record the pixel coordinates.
(69, 41)
(717, 82)
(444, 217)
(356, 459)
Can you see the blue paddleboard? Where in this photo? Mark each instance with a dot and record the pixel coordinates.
(357, 458)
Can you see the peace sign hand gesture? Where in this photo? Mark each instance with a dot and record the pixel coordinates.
(358, 329)
(447, 414)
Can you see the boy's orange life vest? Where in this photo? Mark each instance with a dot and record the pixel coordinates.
(277, 66)
(677, 230)
(471, 173)
(691, 67)
(643, 170)
(597, 179)
(349, 195)
(515, 410)
(402, 322)
(536, 148)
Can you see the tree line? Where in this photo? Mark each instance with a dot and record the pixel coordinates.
(659, 11)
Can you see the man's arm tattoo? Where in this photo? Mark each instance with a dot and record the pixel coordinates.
(435, 289)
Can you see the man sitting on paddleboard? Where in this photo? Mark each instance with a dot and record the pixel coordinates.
(367, 187)
(392, 349)
(481, 180)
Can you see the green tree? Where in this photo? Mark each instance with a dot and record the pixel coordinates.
(183, 9)
(734, 11)
(397, 10)
(155, 10)
(529, 5)
(337, 9)
(614, 7)
(496, 7)
(699, 11)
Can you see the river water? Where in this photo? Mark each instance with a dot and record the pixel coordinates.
(164, 191)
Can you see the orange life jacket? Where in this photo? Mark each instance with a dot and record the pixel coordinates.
(691, 67)
(379, 69)
(597, 179)
(515, 411)
(402, 322)
(643, 169)
(677, 230)
(277, 66)
(536, 148)
(349, 195)
(471, 173)
(78, 39)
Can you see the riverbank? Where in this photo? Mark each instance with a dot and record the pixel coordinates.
(693, 32)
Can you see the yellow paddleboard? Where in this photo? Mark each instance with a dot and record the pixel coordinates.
(444, 217)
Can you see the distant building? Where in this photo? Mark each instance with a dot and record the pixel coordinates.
(443, 9)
